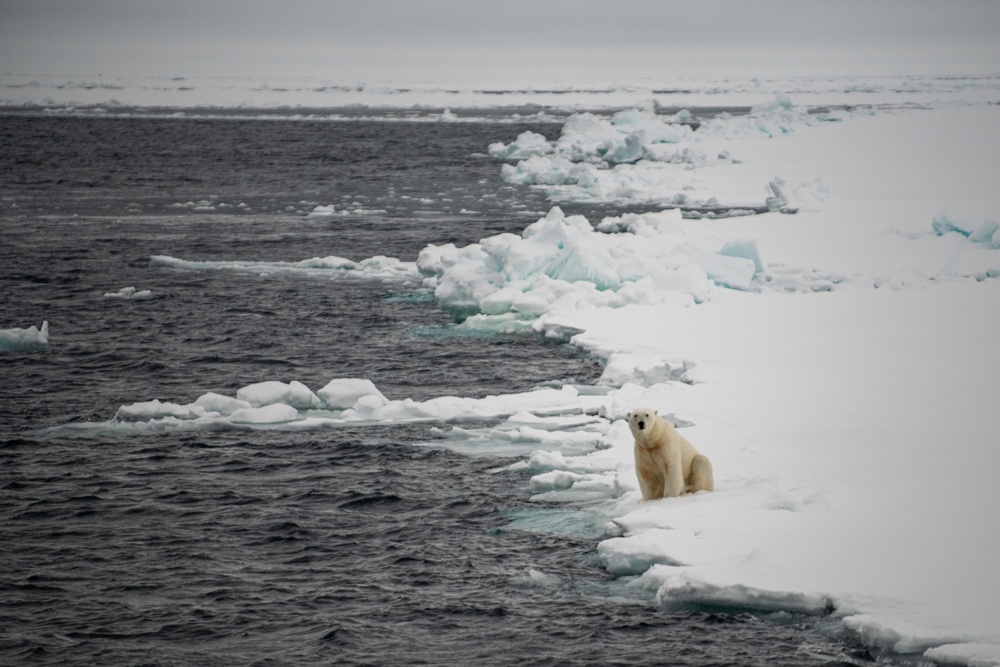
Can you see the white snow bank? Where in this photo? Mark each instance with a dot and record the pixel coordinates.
(130, 293)
(24, 340)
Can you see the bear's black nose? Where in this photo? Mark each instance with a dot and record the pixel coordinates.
(642, 425)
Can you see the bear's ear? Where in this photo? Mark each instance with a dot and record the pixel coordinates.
(656, 413)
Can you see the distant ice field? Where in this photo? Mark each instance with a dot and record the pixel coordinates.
(63, 92)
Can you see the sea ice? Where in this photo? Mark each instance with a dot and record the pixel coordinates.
(155, 409)
(640, 156)
(24, 340)
(562, 260)
(985, 234)
(528, 144)
(322, 212)
(224, 405)
(274, 413)
(828, 415)
(130, 293)
(379, 267)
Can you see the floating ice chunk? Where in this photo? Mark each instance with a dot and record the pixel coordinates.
(24, 340)
(373, 268)
(344, 393)
(322, 212)
(578, 459)
(294, 394)
(548, 438)
(275, 413)
(682, 590)
(154, 409)
(555, 480)
(224, 405)
(446, 116)
(562, 422)
(565, 486)
(635, 554)
(538, 578)
(972, 654)
(528, 144)
(544, 170)
(891, 635)
(371, 408)
(129, 293)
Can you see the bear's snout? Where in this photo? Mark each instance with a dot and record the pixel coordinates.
(641, 425)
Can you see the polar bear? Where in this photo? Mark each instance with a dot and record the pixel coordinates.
(666, 464)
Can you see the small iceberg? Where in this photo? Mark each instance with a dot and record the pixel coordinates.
(130, 293)
(24, 340)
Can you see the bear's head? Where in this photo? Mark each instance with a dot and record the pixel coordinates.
(641, 422)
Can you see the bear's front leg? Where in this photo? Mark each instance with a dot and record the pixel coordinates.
(673, 477)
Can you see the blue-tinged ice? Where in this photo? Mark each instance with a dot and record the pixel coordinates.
(24, 340)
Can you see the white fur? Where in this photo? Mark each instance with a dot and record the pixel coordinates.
(666, 464)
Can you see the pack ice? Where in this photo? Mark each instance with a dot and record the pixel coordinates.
(639, 156)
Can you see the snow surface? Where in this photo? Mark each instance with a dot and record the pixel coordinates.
(837, 365)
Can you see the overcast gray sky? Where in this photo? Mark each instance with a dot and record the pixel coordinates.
(358, 40)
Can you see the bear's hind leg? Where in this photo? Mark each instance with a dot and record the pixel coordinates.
(701, 478)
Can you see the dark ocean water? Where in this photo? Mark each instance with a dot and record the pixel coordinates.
(342, 547)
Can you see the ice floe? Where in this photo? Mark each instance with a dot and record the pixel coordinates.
(374, 268)
(130, 293)
(24, 340)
